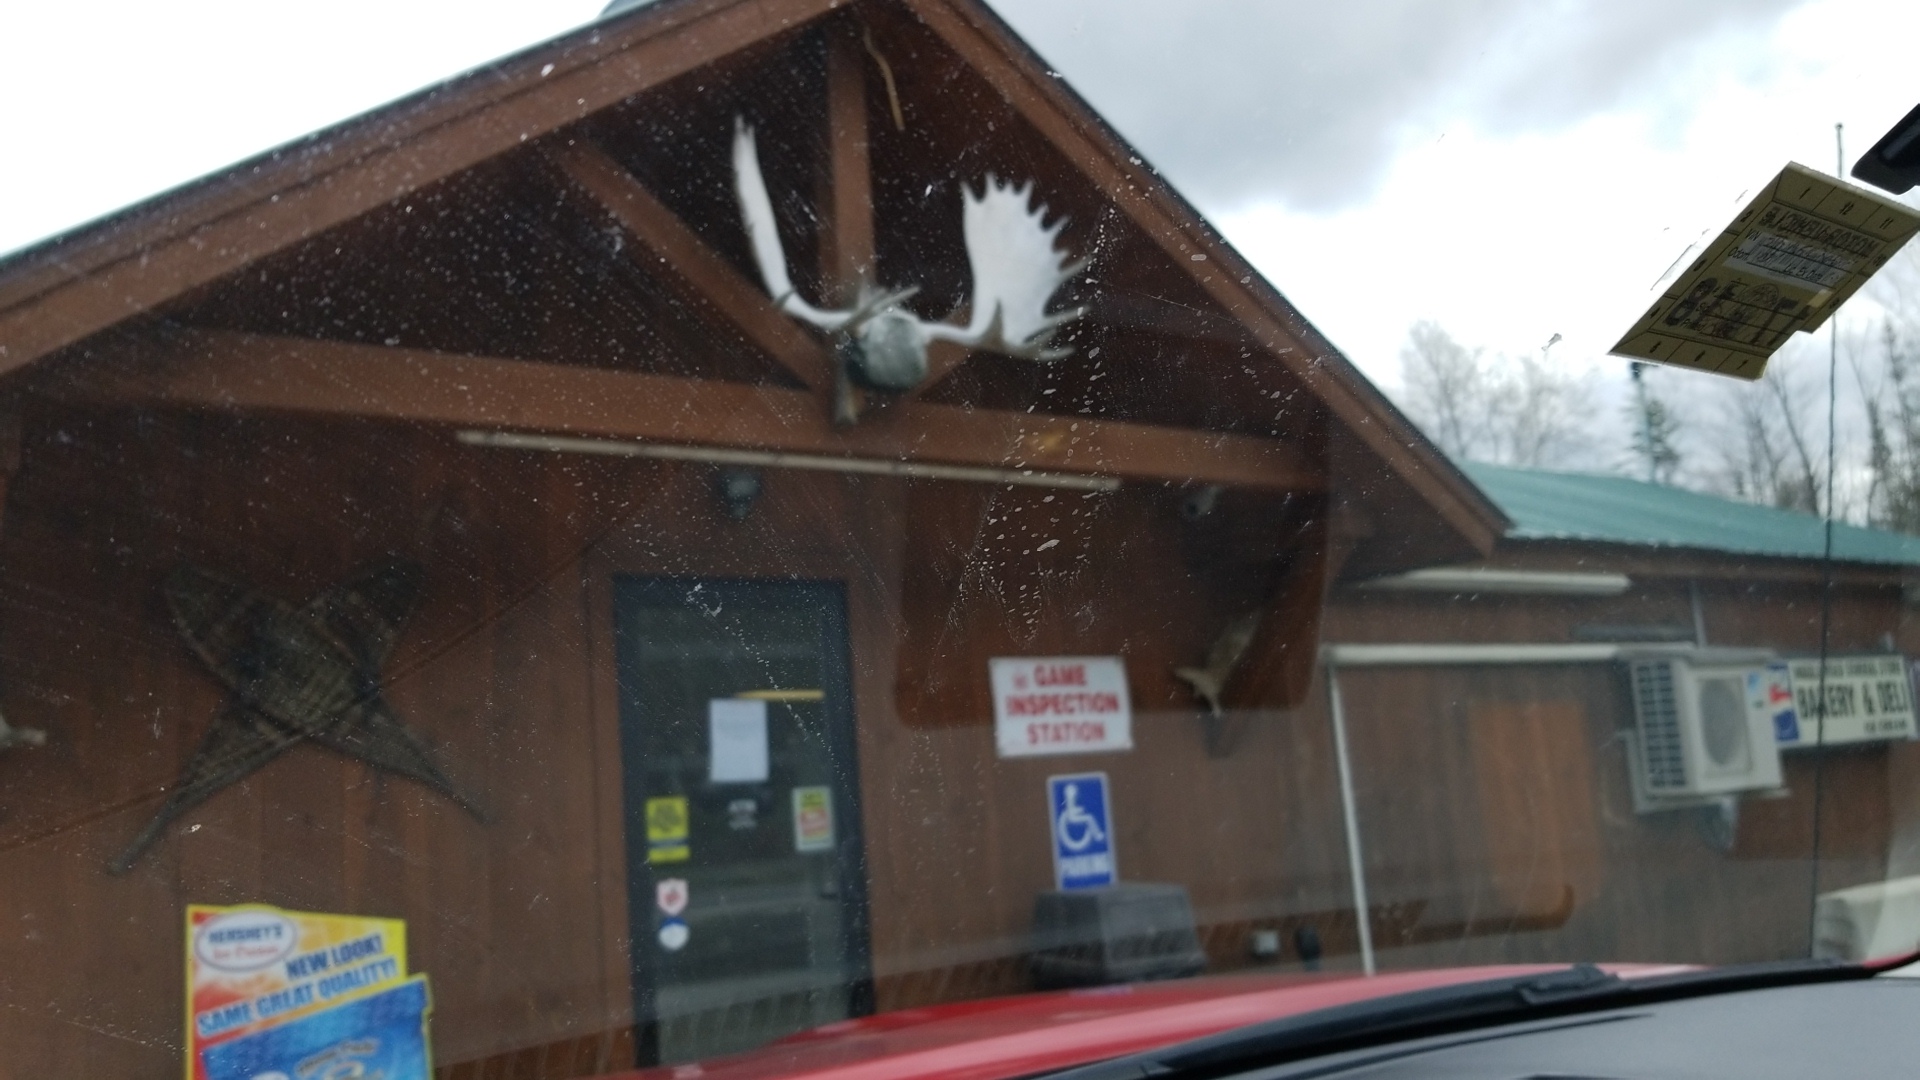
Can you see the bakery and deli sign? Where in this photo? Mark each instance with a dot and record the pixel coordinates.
(1869, 698)
(1060, 704)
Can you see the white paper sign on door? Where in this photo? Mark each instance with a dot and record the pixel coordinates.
(1060, 705)
(738, 747)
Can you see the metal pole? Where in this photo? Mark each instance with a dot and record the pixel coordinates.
(1638, 371)
(1356, 867)
(1826, 594)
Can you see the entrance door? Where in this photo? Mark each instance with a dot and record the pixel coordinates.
(748, 886)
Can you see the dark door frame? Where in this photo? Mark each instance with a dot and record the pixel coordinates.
(830, 598)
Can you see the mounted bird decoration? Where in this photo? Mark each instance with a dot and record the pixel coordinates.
(879, 342)
(293, 675)
(1223, 659)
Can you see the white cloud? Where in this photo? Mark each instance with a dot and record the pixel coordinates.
(1509, 239)
(109, 102)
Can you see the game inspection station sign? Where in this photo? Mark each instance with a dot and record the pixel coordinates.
(1060, 705)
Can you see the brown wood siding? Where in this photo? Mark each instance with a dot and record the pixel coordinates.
(1485, 797)
(1438, 780)
(1442, 867)
(507, 917)
(1533, 770)
(507, 672)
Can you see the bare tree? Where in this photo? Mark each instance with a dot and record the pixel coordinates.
(1892, 406)
(1447, 390)
(1767, 457)
(1886, 368)
(1546, 422)
(1494, 409)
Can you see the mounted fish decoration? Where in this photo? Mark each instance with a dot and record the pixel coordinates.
(879, 342)
(301, 674)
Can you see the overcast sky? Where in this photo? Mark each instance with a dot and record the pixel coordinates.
(1511, 168)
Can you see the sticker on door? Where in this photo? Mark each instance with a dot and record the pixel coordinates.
(812, 819)
(667, 829)
(671, 895)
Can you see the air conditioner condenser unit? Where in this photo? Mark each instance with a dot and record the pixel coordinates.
(1702, 726)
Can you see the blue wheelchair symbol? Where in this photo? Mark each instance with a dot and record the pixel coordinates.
(1082, 831)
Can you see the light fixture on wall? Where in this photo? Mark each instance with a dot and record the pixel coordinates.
(1490, 579)
(1719, 823)
(738, 488)
(11, 736)
(1200, 502)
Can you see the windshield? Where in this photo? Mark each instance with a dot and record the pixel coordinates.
(751, 520)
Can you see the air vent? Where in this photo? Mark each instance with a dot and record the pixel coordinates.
(1660, 742)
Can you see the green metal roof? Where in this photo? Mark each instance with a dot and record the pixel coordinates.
(1616, 510)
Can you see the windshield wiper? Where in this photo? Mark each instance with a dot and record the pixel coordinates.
(1448, 1009)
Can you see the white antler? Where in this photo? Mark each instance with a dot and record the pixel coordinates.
(756, 210)
(1016, 269)
(1010, 249)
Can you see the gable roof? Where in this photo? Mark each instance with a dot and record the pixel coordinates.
(74, 286)
(1617, 510)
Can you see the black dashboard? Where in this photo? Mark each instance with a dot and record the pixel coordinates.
(1867, 1027)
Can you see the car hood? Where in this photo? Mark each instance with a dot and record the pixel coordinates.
(1001, 1038)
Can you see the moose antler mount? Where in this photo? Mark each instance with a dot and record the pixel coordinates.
(881, 344)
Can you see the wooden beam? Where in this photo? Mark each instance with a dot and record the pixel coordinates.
(70, 290)
(1132, 311)
(943, 359)
(660, 231)
(1281, 660)
(846, 234)
(244, 372)
(1114, 311)
(11, 434)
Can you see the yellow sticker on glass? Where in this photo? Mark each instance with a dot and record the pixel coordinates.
(667, 829)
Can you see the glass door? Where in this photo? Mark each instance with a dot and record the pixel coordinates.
(747, 890)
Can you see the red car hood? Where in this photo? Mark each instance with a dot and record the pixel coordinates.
(1008, 1037)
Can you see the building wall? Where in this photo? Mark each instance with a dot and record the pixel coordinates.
(1493, 805)
(509, 918)
(507, 671)
(1491, 798)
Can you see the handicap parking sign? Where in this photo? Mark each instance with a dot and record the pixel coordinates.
(1082, 831)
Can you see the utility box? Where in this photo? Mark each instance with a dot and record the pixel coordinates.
(1119, 934)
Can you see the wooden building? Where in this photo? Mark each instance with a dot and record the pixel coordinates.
(1492, 789)
(497, 358)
